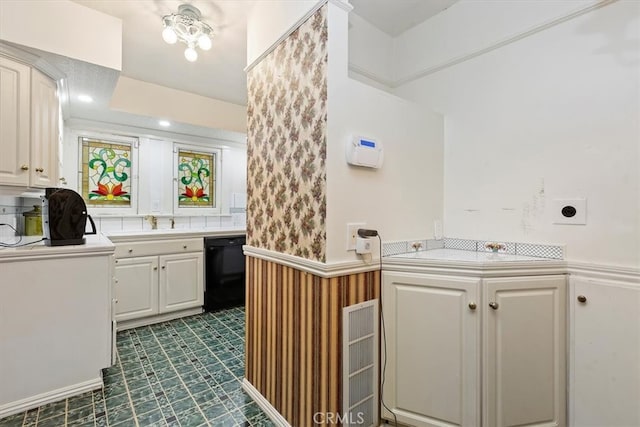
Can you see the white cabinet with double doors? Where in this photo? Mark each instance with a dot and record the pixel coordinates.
(158, 280)
(470, 350)
(29, 131)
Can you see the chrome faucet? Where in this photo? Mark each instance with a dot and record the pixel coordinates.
(153, 221)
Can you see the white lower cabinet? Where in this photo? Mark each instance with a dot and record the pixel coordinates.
(524, 345)
(468, 351)
(181, 282)
(158, 278)
(604, 375)
(433, 349)
(136, 287)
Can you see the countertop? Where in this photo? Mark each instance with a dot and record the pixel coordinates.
(468, 256)
(472, 263)
(141, 235)
(94, 244)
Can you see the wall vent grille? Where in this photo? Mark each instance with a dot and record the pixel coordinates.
(360, 364)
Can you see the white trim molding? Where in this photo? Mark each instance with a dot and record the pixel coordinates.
(321, 269)
(264, 404)
(481, 51)
(604, 272)
(48, 397)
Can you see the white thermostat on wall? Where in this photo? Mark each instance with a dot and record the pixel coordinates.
(364, 152)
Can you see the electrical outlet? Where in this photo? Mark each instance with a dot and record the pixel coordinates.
(352, 234)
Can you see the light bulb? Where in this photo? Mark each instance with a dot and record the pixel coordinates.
(191, 54)
(169, 35)
(204, 42)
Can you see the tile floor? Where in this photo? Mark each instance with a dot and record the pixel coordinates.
(182, 373)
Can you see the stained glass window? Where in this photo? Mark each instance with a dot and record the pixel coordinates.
(106, 173)
(196, 179)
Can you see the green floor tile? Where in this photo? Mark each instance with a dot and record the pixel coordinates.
(55, 421)
(151, 418)
(207, 352)
(12, 420)
(191, 418)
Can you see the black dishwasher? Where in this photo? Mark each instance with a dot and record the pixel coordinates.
(224, 272)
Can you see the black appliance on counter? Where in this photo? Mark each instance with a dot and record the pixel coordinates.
(224, 272)
(64, 217)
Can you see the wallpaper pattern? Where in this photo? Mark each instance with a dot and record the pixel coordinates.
(286, 144)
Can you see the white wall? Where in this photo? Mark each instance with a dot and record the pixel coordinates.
(65, 28)
(369, 52)
(268, 20)
(148, 99)
(403, 198)
(554, 115)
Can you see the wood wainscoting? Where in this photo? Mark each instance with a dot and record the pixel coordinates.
(294, 336)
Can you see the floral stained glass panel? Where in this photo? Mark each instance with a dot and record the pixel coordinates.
(196, 179)
(106, 173)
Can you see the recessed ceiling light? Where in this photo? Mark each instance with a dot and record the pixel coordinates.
(85, 98)
(164, 123)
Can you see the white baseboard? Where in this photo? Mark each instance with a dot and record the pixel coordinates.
(145, 321)
(264, 404)
(49, 397)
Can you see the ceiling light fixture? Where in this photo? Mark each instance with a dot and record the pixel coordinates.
(85, 98)
(186, 26)
(164, 123)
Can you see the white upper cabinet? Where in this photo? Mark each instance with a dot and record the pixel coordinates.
(15, 87)
(43, 171)
(29, 134)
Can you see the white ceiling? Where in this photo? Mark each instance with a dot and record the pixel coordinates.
(218, 73)
(396, 16)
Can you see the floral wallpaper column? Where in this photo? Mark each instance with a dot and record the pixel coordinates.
(287, 118)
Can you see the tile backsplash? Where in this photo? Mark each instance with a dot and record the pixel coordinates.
(12, 208)
(107, 224)
(514, 248)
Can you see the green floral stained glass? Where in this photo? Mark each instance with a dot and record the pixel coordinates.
(106, 173)
(196, 179)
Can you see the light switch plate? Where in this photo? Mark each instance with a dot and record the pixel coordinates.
(569, 211)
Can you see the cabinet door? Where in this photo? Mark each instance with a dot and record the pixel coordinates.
(181, 282)
(15, 86)
(524, 351)
(433, 351)
(136, 287)
(604, 353)
(44, 131)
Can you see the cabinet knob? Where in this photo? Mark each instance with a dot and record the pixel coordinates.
(493, 305)
(24, 167)
(155, 268)
(163, 267)
(39, 170)
(582, 298)
(472, 305)
(115, 300)
(130, 250)
(184, 247)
